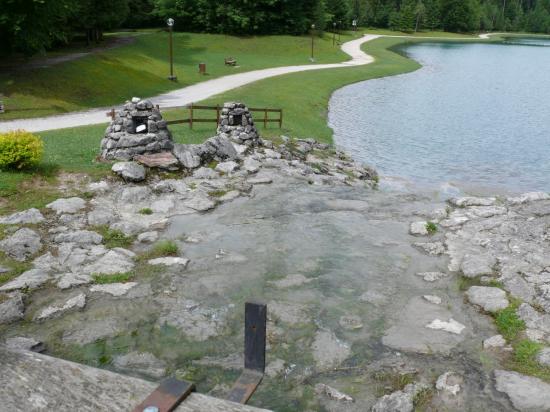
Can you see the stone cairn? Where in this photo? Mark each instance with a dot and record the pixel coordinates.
(236, 124)
(137, 129)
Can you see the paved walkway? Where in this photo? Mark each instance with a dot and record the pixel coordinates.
(191, 94)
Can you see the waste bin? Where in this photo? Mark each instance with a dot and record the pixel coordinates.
(202, 68)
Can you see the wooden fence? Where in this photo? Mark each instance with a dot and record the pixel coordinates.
(192, 119)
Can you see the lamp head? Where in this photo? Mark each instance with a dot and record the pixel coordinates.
(170, 22)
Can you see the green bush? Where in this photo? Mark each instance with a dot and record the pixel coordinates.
(20, 150)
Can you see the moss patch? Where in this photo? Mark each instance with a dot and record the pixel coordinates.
(103, 278)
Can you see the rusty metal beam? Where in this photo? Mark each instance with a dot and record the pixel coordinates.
(167, 396)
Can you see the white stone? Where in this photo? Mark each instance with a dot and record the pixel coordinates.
(291, 281)
(170, 261)
(21, 245)
(431, 276)
(472, 201)
(251, 165)
(114, 261)
(76, 302)
(490, 299)
(431, 248)
(227, 167)
(30, 216)
(436, 300)
(418, 228)
(496, 341)
(448, 383)
(70, 205)
(529, 197)
(527, 393)
(114, 289)
(451, 326)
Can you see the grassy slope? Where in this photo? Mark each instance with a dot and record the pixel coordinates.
(141, 69)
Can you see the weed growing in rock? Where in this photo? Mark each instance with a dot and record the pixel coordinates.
(422, 398)
(114, 238)
(524, 359)
(508, 323)
(217, 193)
(103, 278)
(146, 211)
(161, 249)
(388, 382)
(431, 227)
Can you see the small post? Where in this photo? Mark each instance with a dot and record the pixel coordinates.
(265, 118)
(191, 116)
(281, 120)
(312, 41)
(111, 113)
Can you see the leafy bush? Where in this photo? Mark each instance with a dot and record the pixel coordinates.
(20, 150)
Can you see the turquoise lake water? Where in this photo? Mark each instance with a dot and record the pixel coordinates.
(474, 117)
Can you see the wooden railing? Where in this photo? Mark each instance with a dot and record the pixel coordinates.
(192, 119)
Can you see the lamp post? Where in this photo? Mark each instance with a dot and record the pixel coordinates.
(312, 41)
(333, 33)
(170, 23)
(339, 30)
(354, 24)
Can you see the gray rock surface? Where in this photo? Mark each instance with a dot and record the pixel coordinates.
(227, 167)
(418, 228)
(31, 279)
(328, 350)
(490, 299)
(22, 244)
(543, 357)
(496, 341)
(399, 401)
(80, 237)
(170, 261)
(23, 343)
(59, 309)
(143, 363)
(70, 205)
(30, 216)
(527, 394)
(12, 308)
(130, 171)
(113, 289)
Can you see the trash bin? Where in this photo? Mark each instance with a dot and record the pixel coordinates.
(202, 68)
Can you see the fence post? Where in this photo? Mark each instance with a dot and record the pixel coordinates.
(281, 120)
(265, 118)
(191, 116)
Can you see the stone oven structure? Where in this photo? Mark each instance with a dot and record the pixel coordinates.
(236, 123)
(137, 129)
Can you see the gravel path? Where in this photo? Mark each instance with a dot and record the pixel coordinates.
(190, 94)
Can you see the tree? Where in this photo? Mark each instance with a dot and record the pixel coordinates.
(419, 12)
(459, 15)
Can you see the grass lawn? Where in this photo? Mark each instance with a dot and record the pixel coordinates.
(141, 69)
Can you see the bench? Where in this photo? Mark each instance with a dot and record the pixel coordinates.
(230, 61)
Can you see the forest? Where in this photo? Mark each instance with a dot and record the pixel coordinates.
(33, 26)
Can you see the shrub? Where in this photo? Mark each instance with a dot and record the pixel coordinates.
(20, 150)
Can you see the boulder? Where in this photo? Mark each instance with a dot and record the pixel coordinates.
(129, 171)
(30, 216)
(527, 394)
(70, 205)
(187, 155)
(21, 245)
(12, 308)
(490, 299)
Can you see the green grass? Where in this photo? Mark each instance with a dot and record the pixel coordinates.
(114, 238)
(160, 249)
(508, 323)
(141, 69)
(16, 268)
(217, 193)
(146, 211)
(103, 279)
(431, 227)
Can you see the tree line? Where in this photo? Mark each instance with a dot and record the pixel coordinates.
(31, 26)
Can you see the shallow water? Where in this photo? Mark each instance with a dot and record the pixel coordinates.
(475, 116)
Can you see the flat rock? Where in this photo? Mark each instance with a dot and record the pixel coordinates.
(332, 393)
(432, 276)
(114, 261)
(328, 350)
(527, 394)
(129, 171)
(436, 300)
(148, 237)
(144, 363)
(418, 228)
(293, 313)
(490, 299)
(23, 343)
(170, 261)
(94, 330)
(12, 308)
(451, 326)
(70, 205)
(21, 245)
(399, 401)
(529, 197)
(129, 228)
(251, 165)
(69, 280)
(260, 180)
(74, 303)
(373, 297)
(31, 279)
(496, 341)
(472, 201)
(431, 248)
(231, 195)
(227, 167)
(30, 216)
(114, 289)
(205, 173)
(200, 202)
(291, 281)
(474, 265)
(162, 160)
(80, 237)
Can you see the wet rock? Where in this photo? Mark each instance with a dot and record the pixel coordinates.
(205, 173)
(332, 393)
(328, 350)
(350, 322)
(431, 248)
(436, 300)
(69, 280)
(490, 299)
(129, 171)
(496, 341)
(23, 343)
(143, 363)
(162, 160)
(451, 326)
(148, 237)
(70, 205)
(418, 228)
(477, 265)
(227, 167)
(528, 197)
(30, 216)
(449, 382)
(472, 201)
(21, 245)
(170, 261)
(114, 289)
(80, 237)
(528, 394)
(31, 279)
(12, 308)
(291, 281)
(432, 276)
(76, 302)
(543, 357)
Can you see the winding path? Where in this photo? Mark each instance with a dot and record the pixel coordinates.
(193, 93)
(200, 91)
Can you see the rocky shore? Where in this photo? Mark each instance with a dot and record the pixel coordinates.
(382, 301)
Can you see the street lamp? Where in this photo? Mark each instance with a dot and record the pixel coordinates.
(312, 36)
(333, 33)
(170, 22)
(339, 30)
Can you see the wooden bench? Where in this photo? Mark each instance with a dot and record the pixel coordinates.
(230, 61)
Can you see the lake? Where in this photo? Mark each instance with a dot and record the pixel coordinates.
(474, 117)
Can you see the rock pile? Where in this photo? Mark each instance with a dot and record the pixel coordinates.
(236, 124)
(137, 129)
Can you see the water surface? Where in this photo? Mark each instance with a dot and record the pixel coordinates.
(474, 116)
